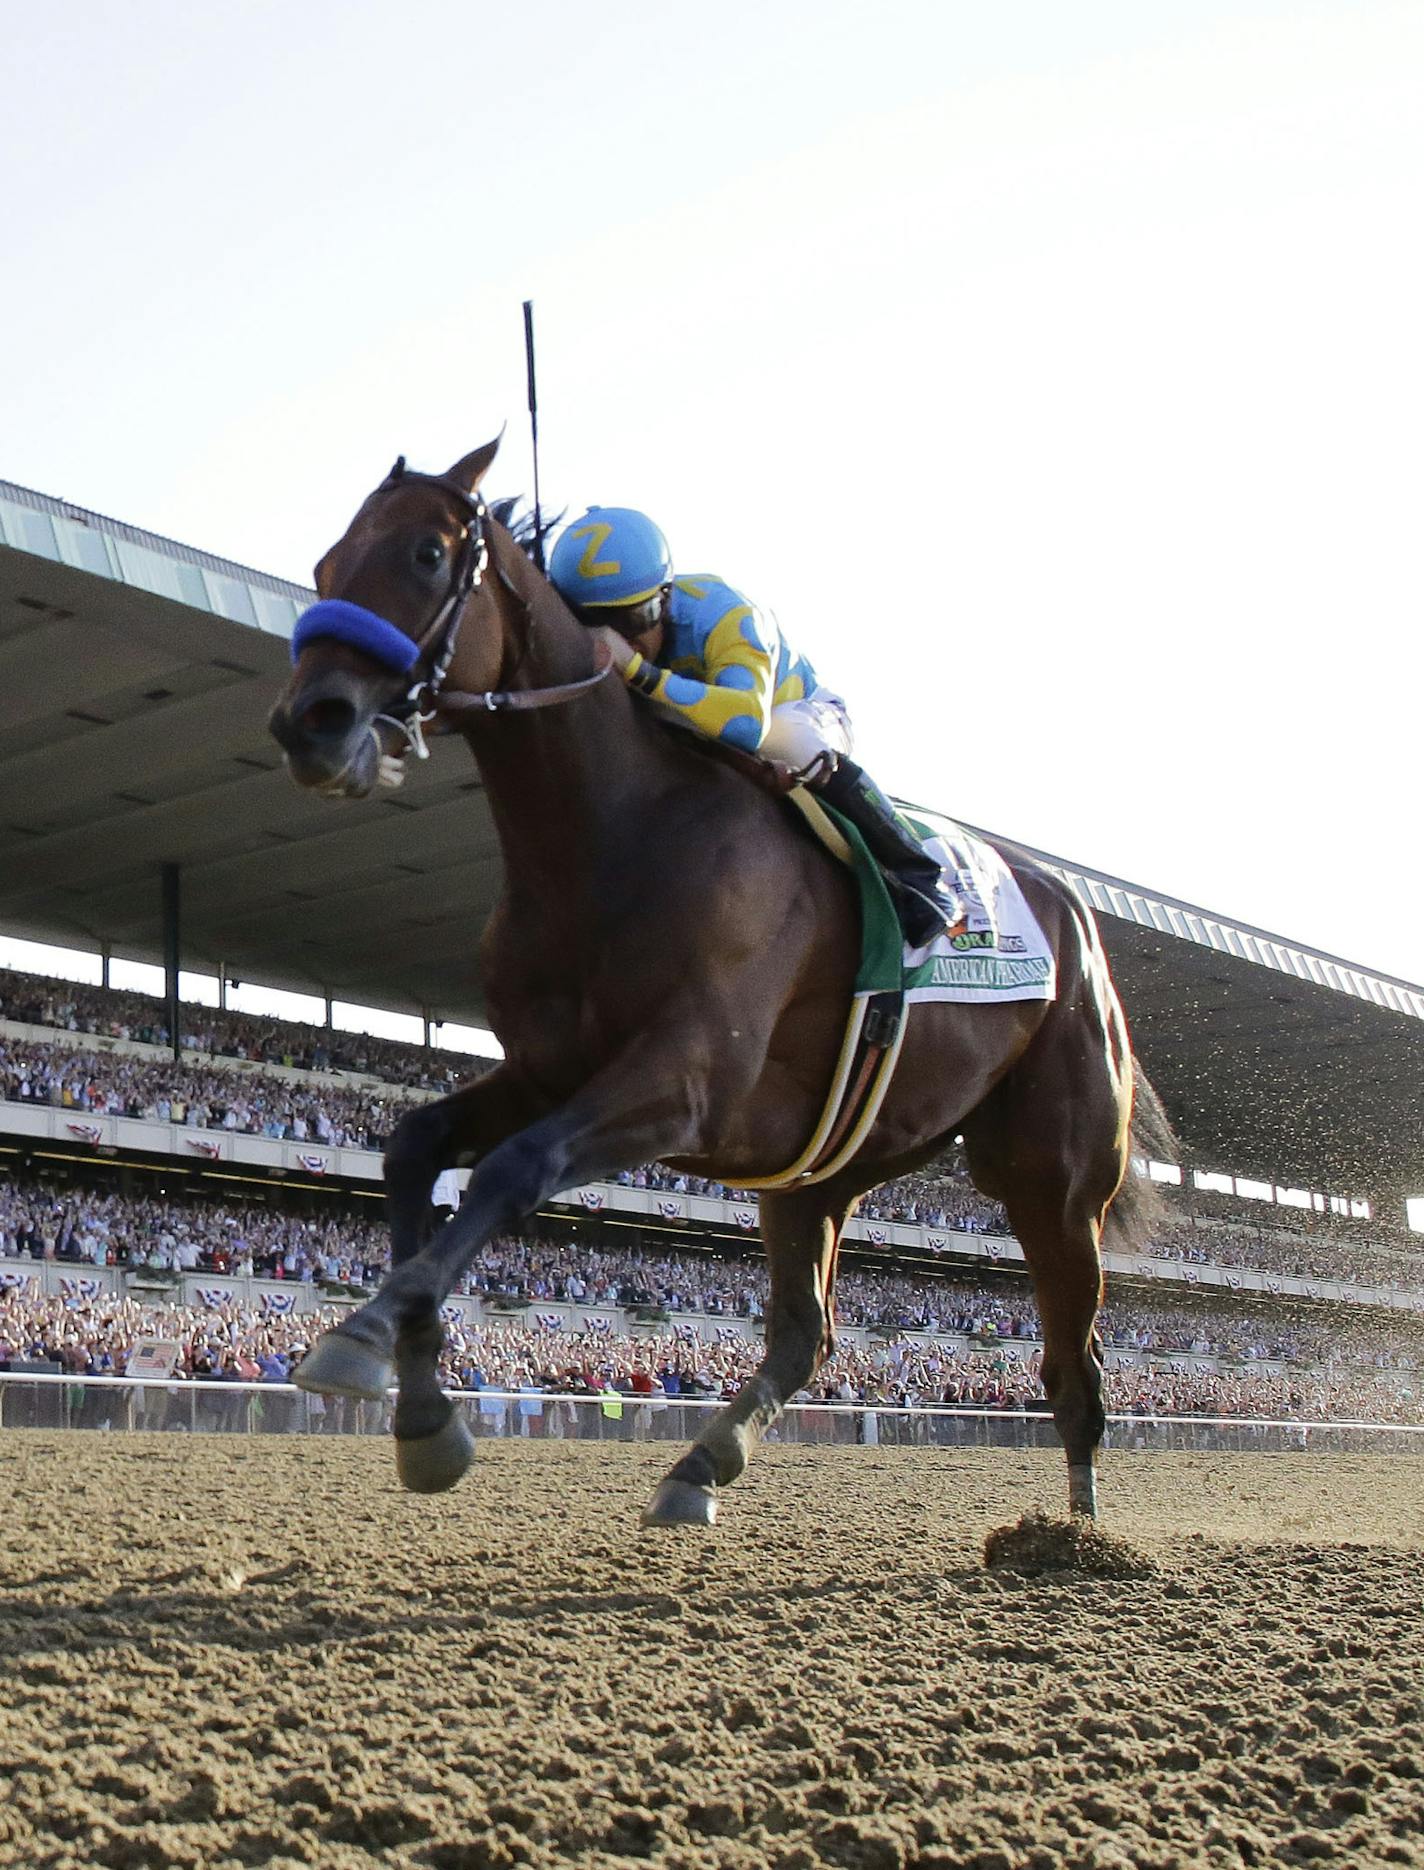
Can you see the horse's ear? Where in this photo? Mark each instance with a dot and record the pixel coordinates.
(472, 470)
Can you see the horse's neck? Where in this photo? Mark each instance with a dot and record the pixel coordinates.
(569, 784)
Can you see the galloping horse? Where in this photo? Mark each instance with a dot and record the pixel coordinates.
(669, 970)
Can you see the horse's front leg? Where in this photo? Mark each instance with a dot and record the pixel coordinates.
(449, 1132)
(801, 1230)
(628, 1113)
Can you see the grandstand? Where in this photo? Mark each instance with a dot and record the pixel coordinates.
(239, 1182)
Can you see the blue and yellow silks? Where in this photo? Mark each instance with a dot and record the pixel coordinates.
(724, 664)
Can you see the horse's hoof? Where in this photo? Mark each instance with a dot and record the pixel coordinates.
(340, 1365)
(432, 1463)
(679, 1503)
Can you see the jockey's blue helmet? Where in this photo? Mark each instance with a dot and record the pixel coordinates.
(611, 557)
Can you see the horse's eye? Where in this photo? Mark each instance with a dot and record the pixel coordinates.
(430, 552)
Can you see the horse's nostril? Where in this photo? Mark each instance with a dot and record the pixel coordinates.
(331, 719)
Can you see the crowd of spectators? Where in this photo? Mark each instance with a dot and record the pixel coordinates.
(1322, 1254)
(111, 1013)
(234, 1344)
(41, 1221)
(205, 1094)
(197, 1097)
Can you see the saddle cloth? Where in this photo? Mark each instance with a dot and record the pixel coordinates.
(996, 952)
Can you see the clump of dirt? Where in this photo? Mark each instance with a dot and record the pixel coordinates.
(1038, 1544)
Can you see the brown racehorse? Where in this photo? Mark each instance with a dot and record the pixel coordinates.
(669, 971)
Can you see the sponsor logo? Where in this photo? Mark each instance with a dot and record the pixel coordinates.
(983, 970)
(972, 938)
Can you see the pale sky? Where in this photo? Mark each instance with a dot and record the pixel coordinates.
(1052, 371)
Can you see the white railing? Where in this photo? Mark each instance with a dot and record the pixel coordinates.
(52, 1400)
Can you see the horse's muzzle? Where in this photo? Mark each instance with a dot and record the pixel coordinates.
(326, 731)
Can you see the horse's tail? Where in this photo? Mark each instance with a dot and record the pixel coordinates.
(1137, 1209)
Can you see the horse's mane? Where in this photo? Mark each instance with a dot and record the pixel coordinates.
(520, 524)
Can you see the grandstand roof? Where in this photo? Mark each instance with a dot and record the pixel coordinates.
(135, 680)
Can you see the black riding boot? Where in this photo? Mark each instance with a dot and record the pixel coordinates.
(925, 910)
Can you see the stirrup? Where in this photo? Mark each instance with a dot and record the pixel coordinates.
(924, 915)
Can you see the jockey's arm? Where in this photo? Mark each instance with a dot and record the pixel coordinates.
(732, 699)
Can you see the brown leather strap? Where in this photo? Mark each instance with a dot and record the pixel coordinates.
(508, 700)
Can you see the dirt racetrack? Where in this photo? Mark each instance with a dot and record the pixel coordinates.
(223, 1652)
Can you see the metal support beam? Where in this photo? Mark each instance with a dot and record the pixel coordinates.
(171, 952)
(105, 956)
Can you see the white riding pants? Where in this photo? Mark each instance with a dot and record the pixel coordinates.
(801, 731)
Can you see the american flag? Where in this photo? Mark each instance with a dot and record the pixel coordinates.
(204, 1148)
(87, 1132)
(549, 1321)
(314, 1165)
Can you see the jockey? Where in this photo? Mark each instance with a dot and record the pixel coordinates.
(703, 652)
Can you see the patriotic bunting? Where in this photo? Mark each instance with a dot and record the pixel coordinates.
(314, 1165)
(549, 1321)
(279, 1304)
(86, 1132)
(80, 1286)
(204, 1146)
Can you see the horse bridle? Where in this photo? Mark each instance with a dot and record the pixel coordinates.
(427, 698)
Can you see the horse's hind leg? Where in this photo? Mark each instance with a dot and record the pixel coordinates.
(801, 1230)
(1050, 1142)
